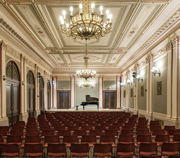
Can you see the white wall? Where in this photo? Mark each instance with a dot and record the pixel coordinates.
(81, 93)
(142, 99)
(160, 101)
(63, 85)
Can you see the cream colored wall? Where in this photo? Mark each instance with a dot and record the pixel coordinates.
(131, 98)
(8, 58)
(160, 101)
(63, 85)
(142, 99)
(81, 92)
(109, 85)
(179, 86)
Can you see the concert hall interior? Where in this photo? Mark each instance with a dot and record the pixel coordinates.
(99, 62)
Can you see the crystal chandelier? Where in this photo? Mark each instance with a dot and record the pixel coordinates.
(86, 73)
(86, 24)
(86, 84)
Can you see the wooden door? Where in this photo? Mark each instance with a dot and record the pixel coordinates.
(63, 98)
(41, 94)
(30, 94)
(48, 94)
(110, 99)
(12, 93)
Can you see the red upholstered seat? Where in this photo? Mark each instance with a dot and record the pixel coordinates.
(14, 140)
(148, 149)
(102, 150)
(32, 139)
(153, 156)
(79, 150)
(125, 149)
(33, 150)
(10, 150)
(90, 139)
(51, 139)
(56, 150)
(106, 139)
(170, 148)
(126, 139)
(143, 139)
(160, 139)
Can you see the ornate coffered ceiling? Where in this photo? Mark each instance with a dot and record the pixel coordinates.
(134, 23)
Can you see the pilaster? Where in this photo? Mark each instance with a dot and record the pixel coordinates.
(45, 91)
(73, 91)
(127, 91)
(3, 118)
(3, 47)
(21, 86)
(175, 44)
(118, 91)
(150, 108)
(100, 91)
(169, 79)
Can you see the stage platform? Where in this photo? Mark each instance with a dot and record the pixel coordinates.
(86, 110)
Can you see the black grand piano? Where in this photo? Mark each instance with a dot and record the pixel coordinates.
(90, 100)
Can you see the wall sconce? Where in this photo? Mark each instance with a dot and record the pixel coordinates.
(155, 70)
(53, 82)
(22, 82)
(4, 77)
(121, 84)
(39, 75)
(139, 78)
(129, 81)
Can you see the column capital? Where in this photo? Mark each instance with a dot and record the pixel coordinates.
(3, 44)
(149, 58)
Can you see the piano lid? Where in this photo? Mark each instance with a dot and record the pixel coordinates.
(91, 99)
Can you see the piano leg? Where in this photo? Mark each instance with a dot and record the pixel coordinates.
(83, 107)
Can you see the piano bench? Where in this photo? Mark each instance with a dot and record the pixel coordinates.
(77, 107)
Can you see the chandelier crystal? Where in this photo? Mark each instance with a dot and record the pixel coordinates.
(86, 24)
(86, 72)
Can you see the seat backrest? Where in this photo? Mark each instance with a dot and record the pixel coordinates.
(148, 147)
(126, 138)
(103, 148)
(88, 138)
(176, 138)
(10, 148)
(143, 138)
(57, 148)
(70, 139)
(107, 138)
(80, 148)
(167, 128)
(32, 139)
(47, 132)
(51, 139)
(33, 148)
(121, 147)
(12, 139)
(162, 138)
(143, 132)
(127, 132)
(170, 147)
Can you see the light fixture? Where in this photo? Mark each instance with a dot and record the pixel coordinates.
(86, 84)
(129, 81)
(139, 78)
(4, 78)
(86, 73)
(86, 24)
(155, 70)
